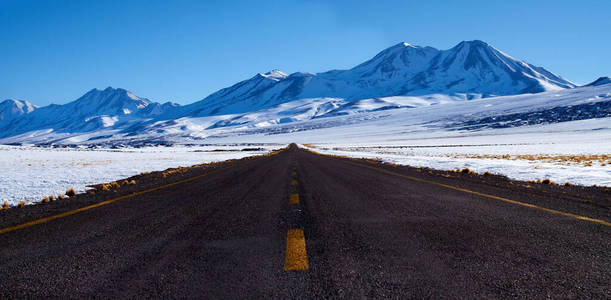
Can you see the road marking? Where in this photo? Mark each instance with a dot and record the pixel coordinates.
(294, 182)
(72, 212)
(296, 256)
(549, 210)
(294, 199)
(294, 174)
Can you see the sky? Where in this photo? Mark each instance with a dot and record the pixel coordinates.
(182, 51)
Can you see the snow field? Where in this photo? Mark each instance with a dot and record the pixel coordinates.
(580, 156)
(30, 173)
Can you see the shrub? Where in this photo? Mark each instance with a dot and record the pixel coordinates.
(547, 181)
(45, 200)
(71, 192)
(132, 182)
(467, 171)
(60, 197)
(5, 205)
(568, 184)
(105, 187)
(487, 173)
(115, 185)
(21, 204)
(51, 198)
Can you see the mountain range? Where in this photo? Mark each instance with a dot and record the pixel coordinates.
(473, 68)
(403, 75)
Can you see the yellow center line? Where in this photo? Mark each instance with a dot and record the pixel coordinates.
(294, 199)
(296, 256)
(294, 174)
(549, 210)
(294, 182)
(72, 212)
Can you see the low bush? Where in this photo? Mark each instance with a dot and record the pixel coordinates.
(21, 204)
(71, 192)
(467, 171)
(5, 205)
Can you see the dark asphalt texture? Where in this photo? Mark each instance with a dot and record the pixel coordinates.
(368, 234)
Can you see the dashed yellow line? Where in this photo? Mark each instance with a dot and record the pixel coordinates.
(549, 210)
(293, 182)
(294, 174)
(296, 256)
(294, 199)
(72, 212)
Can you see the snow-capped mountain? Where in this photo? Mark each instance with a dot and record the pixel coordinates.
(403, 76)
(12, 108)
(95, 110)
(472, 68)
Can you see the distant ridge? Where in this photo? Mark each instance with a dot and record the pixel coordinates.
(600, 81)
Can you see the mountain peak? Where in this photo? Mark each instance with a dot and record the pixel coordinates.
(600, 81)
(404, 45)
(11, 108)
(110, 100)
(274, 74)
(476, 42)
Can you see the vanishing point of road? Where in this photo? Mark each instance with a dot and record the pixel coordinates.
(297, 224)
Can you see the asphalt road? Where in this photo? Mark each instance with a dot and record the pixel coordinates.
(370, 231)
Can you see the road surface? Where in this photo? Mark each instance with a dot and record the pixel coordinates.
(300, 225)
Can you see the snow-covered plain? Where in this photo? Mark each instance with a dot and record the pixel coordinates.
(562, 135)
(578, 152)
(523, 137)
(30, 173)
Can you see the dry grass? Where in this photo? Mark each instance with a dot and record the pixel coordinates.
(45, 200)
(585, 160)
(71, 192)
(544, 181)
(21, 204)
(487, 173)
(5, 205)
(467, 171)
(115, 185)
(61, 197)
(51, 198)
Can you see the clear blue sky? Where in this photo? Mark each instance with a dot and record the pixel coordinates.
(54, 51)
